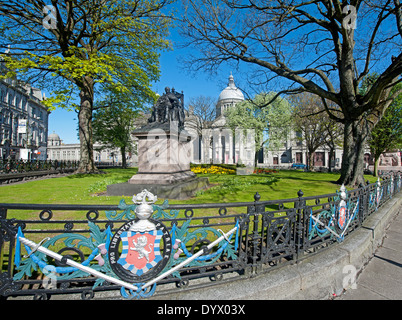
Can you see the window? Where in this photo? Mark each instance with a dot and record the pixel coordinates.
(10, 98)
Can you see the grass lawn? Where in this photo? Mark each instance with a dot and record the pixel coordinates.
(90, 189)
(87, 189)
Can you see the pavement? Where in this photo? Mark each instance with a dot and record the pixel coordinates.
(381, 278)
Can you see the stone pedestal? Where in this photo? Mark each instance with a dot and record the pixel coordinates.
(163, 156)
(163, 164)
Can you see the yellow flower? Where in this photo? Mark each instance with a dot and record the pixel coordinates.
(213, 169)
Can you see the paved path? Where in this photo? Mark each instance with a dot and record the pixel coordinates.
(381, 279)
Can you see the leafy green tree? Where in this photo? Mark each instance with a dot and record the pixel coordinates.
(387, 134)
(270, 121)
(113, 123)
(78, 47)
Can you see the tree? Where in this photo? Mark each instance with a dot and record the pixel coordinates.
(313, 46)
(313, 123)
(113, 124)
(201, 111)
(334, 139)
(80, 47)
(387, 134)
(310, 120)
(270, 124)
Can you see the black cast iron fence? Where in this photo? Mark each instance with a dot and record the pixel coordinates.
(179, 250)
(20, 166)
(19, 170)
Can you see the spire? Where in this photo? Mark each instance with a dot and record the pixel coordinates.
(231, 91)
(231, 81)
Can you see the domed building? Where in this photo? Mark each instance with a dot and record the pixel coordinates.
(217, 143)
(229, 97)
(54, 140)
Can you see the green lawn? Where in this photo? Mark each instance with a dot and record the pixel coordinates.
(87, 189)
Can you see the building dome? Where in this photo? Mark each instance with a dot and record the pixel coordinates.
(53, 137)
(231, 92)
(228, 98)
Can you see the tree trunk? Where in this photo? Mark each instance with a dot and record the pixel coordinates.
(331, 155)
(87, 164)
(352, 170)
(123, 157)
(376, 163)
(310, 160)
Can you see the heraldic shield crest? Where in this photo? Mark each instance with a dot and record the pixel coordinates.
(343, 212)
(140, 249)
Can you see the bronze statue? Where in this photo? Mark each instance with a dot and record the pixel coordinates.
(169, 107)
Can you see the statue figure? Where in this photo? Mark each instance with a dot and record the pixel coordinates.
(169, 107)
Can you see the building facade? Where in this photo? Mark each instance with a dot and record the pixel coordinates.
(57, 150)
(217, 144)
(23, 121)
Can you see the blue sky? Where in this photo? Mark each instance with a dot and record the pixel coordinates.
(173, 74)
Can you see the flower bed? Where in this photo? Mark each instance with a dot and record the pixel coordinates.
(212, 169)
(264, 171)
(217, 169)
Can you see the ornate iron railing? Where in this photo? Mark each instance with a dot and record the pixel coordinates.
(145, 248)
(21, 166)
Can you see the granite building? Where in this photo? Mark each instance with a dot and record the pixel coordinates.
(57, 150)
(217, 144)
(23, 121)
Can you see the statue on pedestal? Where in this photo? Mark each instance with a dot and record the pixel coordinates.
(169, 107)
(164, 152)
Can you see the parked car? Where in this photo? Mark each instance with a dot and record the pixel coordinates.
(299, 166)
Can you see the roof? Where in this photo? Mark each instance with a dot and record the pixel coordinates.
(53, 136)
(231, 92)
